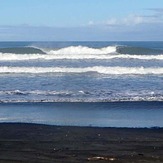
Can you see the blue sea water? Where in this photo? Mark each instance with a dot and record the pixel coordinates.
(96, 73)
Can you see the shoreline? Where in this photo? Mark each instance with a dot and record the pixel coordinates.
(29, 142)
(81, 101)
(76, 126)
(122, 114)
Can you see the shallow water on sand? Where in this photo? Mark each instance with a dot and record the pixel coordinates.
(118, 114)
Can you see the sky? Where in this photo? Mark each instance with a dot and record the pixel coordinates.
(81, 20)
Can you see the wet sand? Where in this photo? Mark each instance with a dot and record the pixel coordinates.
(29, 143)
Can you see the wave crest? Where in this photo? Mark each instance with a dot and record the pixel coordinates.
(77, 50)
(76, 53)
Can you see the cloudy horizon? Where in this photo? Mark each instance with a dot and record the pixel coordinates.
(81, 21)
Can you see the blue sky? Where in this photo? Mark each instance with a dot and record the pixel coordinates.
(81, 20)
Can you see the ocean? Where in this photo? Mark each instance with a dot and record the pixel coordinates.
(106, 84)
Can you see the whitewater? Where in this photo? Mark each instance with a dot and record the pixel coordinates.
(77, 53)
(104, 84)
(81, 71)
(98, 69)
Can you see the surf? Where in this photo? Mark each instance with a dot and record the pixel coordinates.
(76, 53)
(95, 69)
(23, 57)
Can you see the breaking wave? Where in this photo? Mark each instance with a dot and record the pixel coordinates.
(95, 69)
(75, 53)
(77, 50)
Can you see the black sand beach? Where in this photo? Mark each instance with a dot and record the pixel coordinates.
(24, 143)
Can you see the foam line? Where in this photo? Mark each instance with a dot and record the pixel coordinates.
(97, 69)
(22, 57)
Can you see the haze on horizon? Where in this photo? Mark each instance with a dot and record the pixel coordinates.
(81, 20)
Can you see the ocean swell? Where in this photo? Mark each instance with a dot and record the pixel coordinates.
(22, 50)
(74, 53)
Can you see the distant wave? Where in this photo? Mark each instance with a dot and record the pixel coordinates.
(72, 53)
(95, 69)
(112, 51)
(77, 50)
(137, 50)
(22, 50)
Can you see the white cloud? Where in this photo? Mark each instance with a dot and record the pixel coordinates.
(112, 22)
(131, 27)
(131, 20)
(126, 21)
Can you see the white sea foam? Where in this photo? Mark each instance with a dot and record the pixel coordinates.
(77, 50)
(97, 69)
(21, 57)
(37, 92)
(50, 56)
(79, 96)
(126, 99)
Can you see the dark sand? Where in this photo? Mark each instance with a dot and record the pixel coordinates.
(30, 143)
